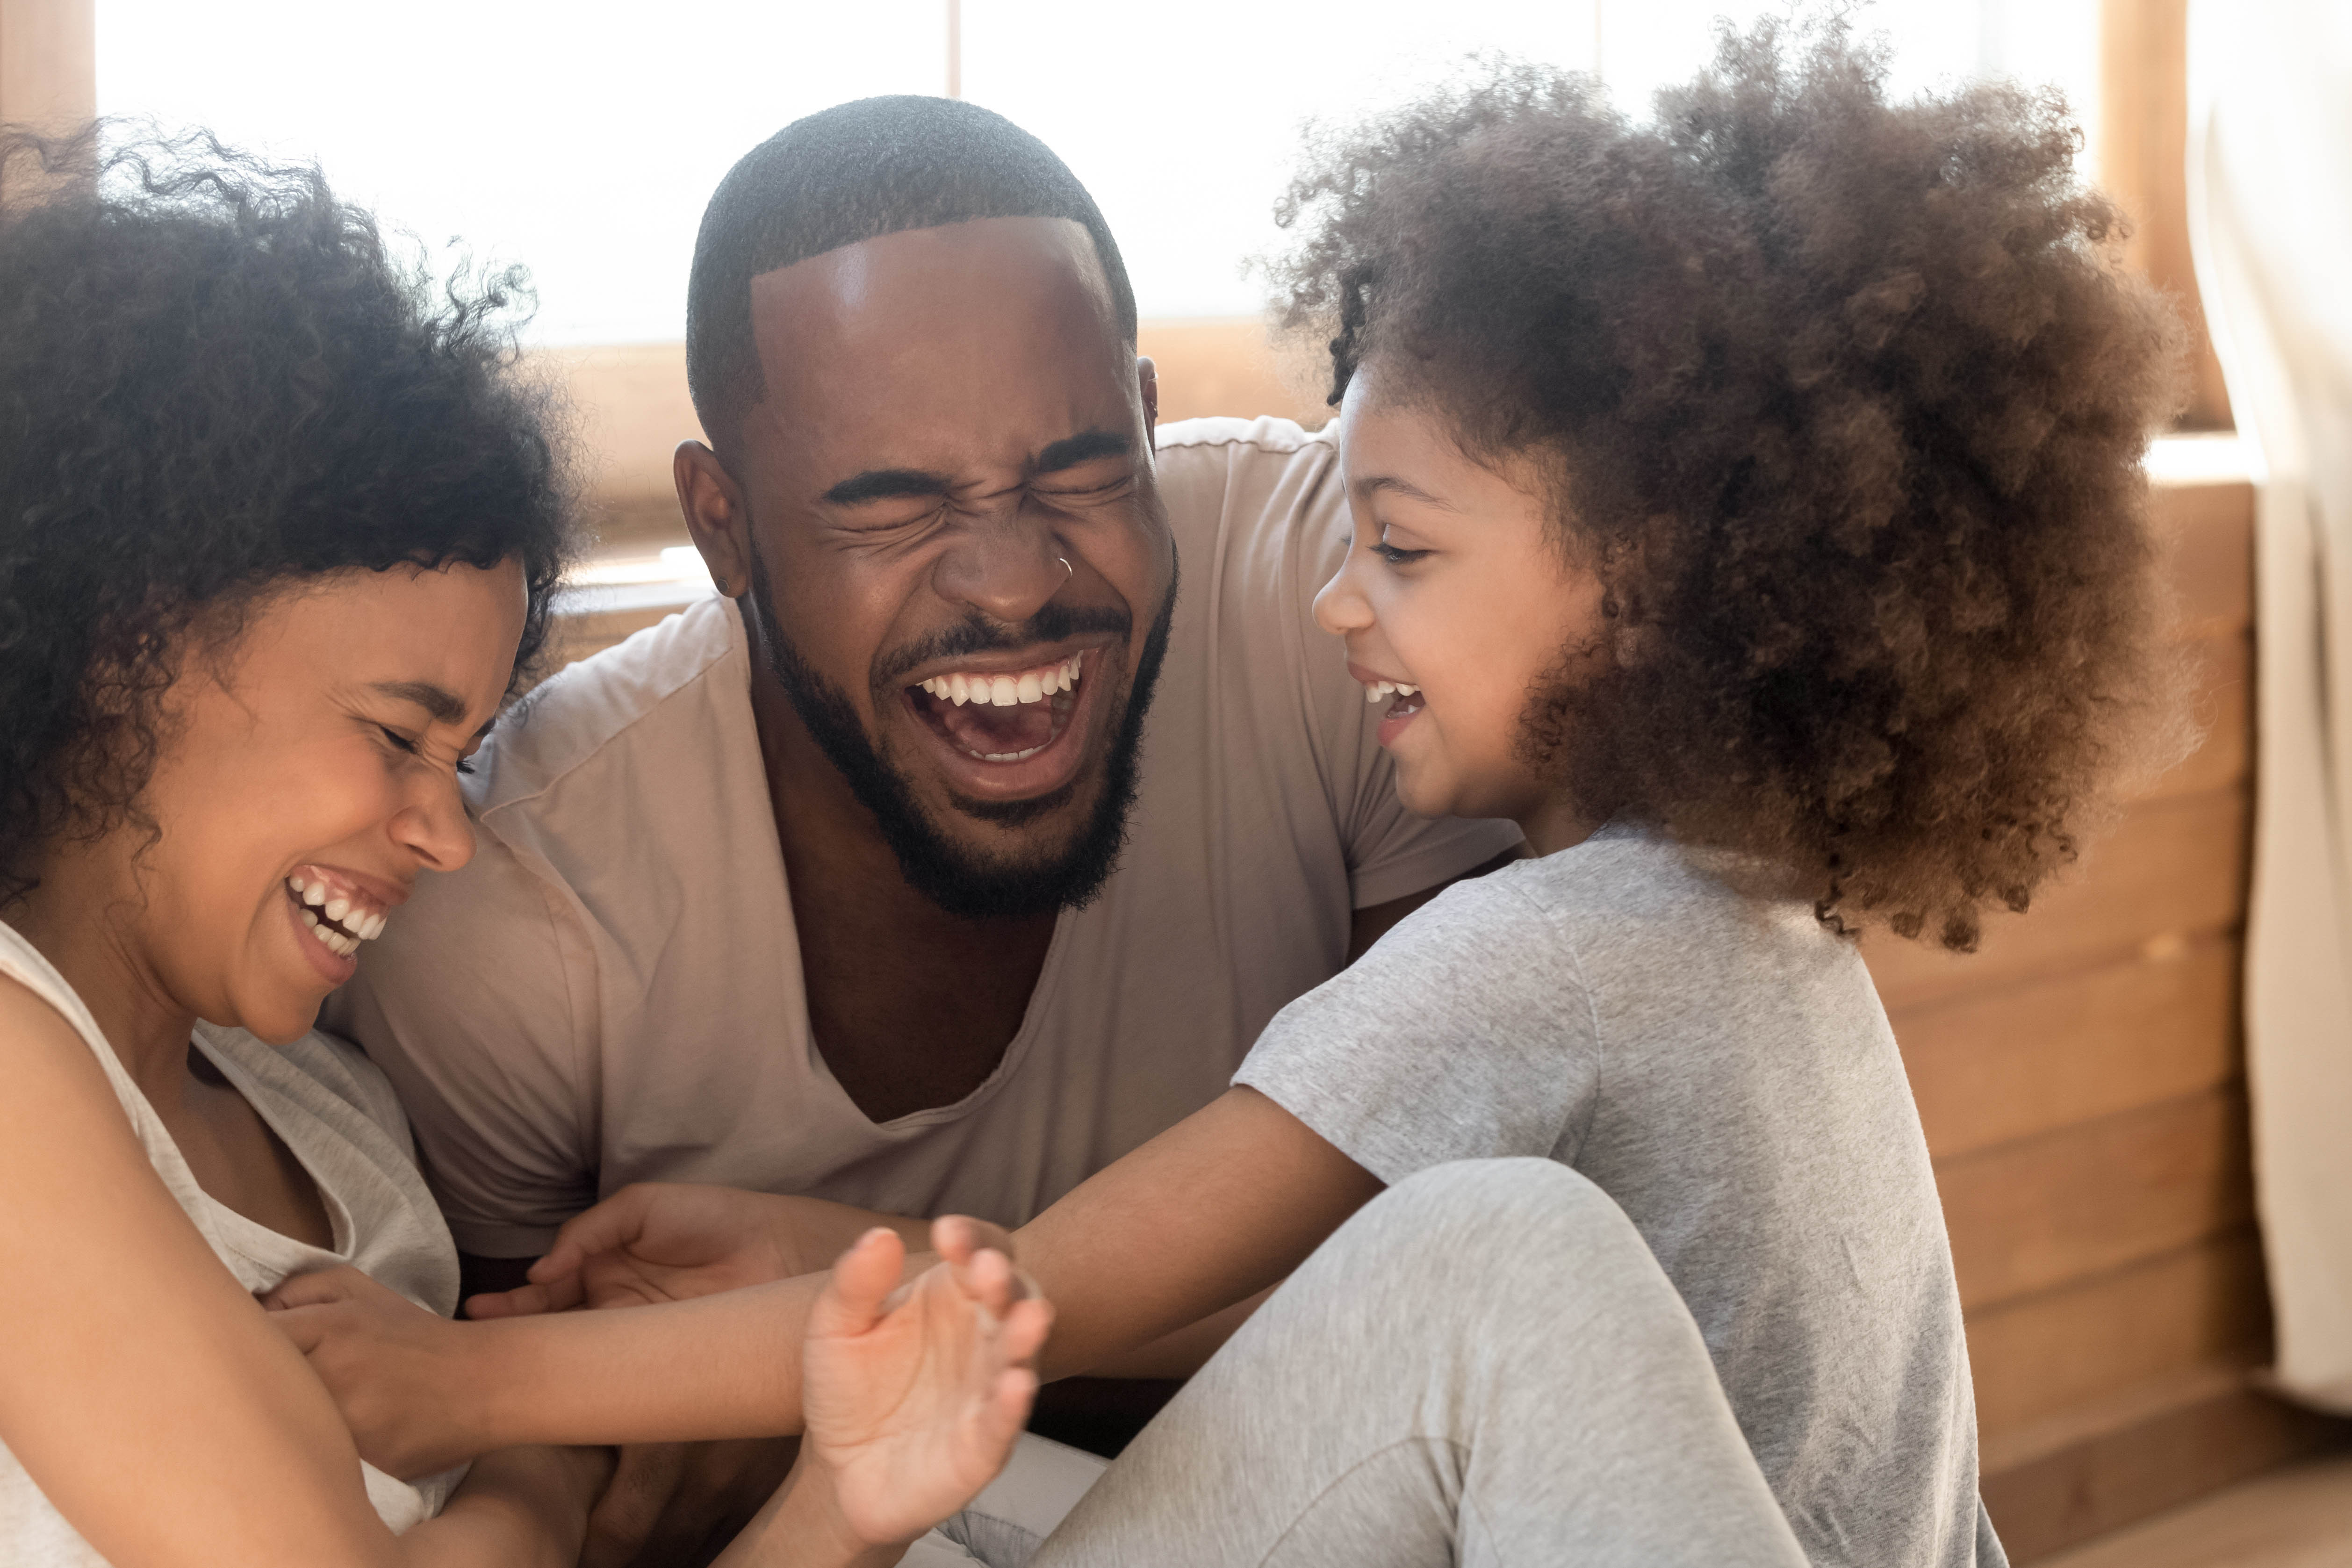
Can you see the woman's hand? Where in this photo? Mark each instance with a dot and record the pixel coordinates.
(398, 1373)
(914, 1395)
(667, 1241)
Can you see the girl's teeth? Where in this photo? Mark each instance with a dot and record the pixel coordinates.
(315, 894)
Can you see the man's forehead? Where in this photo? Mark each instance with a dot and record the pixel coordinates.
(929, 283)
(996, 334)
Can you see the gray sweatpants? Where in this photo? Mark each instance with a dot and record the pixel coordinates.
(1484, 1366)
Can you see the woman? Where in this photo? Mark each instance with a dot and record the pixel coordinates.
(279, 527)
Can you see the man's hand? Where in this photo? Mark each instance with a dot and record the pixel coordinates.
(398, 1372)
(667, 1241)
(914, 1395)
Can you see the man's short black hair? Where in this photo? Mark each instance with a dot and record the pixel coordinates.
(852, 173)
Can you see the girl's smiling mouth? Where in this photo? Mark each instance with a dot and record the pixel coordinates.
(1406, 701)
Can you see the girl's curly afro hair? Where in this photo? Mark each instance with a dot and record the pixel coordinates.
(1845, 402)
(215, 380)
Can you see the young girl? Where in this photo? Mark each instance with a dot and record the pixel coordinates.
(275, 534)
(1749, 506)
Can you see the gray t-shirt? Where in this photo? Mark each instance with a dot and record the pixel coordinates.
(1720, 1066)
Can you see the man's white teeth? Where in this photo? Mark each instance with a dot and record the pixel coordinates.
(1379, 689)
(1007, 690)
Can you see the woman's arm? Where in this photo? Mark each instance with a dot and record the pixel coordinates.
(145, 1393)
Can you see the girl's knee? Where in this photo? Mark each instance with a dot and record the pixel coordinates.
(1506, 1207)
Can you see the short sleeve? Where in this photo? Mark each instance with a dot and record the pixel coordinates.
(466, 1003)
(1466, 1033)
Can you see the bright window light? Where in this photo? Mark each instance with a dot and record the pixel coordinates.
(582, 137)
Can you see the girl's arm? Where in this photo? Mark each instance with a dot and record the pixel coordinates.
(1214, 1210)
(147, 1394)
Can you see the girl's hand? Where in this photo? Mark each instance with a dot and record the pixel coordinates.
(398, 1372)
(914, 1395)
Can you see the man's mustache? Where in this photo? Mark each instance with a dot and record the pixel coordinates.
(978, 634)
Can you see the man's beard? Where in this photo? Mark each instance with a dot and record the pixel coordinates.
(970, 886)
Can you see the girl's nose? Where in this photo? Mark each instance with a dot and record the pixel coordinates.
(1340, 606)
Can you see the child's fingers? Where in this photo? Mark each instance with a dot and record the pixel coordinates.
(957, 1237)
(856, 1296)
(1023, 1332)
(987, 1280)
(1006, 1409)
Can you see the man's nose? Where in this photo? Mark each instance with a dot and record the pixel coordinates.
(1006, 567)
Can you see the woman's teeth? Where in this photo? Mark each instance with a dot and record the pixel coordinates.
(1007, 690)
(1379, 689)
(339, 921)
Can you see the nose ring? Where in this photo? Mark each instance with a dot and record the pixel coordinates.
(1066, 567)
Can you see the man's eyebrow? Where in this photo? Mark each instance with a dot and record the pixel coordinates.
(1083, 447)
(443, 706)
(878, 484)
(1374, 484)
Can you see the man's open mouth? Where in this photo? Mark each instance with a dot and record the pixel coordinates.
(1004, 716)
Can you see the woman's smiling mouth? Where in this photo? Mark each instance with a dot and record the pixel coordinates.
(336, 914)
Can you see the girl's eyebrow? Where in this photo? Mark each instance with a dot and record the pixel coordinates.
(1374, 484)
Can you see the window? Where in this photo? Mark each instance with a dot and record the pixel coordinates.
(583, 138)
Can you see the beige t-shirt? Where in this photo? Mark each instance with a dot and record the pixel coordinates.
(611, 991)
(337, 1115)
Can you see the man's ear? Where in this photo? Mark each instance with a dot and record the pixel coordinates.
(712, 504)
(1147, 380)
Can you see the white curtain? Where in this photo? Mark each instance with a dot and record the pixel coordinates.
(2270, 177)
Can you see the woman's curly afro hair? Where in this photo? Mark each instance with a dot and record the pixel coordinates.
(1846, 404)
(215, 379)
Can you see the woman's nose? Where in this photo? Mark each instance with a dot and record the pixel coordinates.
(435, 828)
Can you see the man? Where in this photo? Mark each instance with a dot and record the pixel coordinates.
(962, 853)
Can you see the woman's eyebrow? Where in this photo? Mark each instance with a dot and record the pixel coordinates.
(445, 707)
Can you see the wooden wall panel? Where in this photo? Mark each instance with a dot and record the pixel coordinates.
(2090, 1198)
(2211, 529)
(2017, 1061)
(2039, 1356)
(2173, 871)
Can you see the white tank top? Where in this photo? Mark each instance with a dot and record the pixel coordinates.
(335, 1111)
